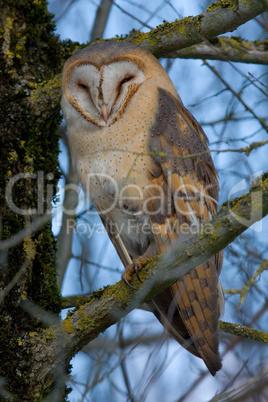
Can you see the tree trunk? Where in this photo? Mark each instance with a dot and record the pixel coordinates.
(29, 143)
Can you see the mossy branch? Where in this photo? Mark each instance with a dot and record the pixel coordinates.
(106, 306)
(226, 49)
(220, 17)
(245, 332)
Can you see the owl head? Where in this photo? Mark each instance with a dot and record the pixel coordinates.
(100, 80)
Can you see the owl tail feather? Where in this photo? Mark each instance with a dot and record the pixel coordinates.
(198, 325)
(189, 310)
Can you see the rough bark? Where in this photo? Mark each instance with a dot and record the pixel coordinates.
(30, 54)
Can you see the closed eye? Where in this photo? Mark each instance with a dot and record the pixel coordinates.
(82, 86)
(126, 80)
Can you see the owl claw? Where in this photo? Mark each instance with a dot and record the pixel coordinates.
(135, 267)
(128, 284)
(136, 270)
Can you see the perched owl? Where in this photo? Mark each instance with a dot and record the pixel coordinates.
(143, 160)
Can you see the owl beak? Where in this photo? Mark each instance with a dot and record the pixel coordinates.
(104, 112)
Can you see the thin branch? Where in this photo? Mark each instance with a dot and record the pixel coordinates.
(245, 332)
(259, 81)
(131, 15)
(226, 49)
(74, 301)
(238, 96)
(65, 10)
(249, 284)
(246, 150)
(125, 372)
(113, 344)
(244, 391)
(95, 264)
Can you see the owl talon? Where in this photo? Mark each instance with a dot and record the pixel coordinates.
(128, 284)
(135, 267)
(136, 270)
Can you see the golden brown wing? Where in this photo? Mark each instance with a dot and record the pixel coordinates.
(190, 191)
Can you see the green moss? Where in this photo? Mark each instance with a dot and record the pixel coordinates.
(229, 4)
(245, 332)
(44, 288)
(67, 326)
(30, 54)
(49, 334)
(75, 301)
(45, 89)
(121, 293)
(85, 320)
(186, 28)
(29, 248)
(217, 225)
(263, 267)
(208, 233)
(246, 2)
(97, 294)
(32, 334)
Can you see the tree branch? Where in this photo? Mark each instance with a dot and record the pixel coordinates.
(220, 17)
(245, 332)
(100, 22)
(226, 49)
(106, 306)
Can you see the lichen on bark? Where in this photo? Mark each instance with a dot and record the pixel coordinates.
(30, 54)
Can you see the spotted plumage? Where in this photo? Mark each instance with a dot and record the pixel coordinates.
(143, 160)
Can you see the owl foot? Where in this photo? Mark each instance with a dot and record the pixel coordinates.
(135, 267)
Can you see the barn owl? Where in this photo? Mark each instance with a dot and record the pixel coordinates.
(143, 160)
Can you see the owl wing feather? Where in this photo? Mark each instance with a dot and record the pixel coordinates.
(190, 308)
(117, 242)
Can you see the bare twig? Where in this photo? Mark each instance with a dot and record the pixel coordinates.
(238, 96)
(131, 15)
